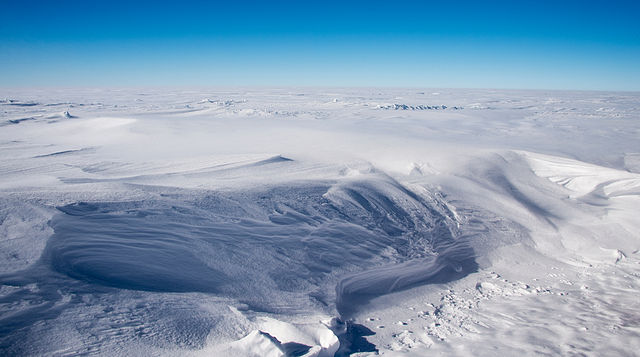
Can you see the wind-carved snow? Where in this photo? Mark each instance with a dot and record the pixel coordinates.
(248, 245)
(310, 222)
(416, 107)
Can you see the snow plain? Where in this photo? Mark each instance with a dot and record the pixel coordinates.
(319, 222)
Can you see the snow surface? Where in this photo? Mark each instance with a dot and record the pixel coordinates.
(319, 222)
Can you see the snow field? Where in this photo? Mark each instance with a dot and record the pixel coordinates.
(318, 222)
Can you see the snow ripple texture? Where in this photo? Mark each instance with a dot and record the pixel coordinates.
(290, 239)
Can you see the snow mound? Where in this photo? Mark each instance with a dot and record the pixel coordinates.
(279, 338)
(583, 178)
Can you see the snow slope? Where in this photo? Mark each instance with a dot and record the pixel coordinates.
(319, 222)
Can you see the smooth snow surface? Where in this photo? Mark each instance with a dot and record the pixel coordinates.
(319, 222)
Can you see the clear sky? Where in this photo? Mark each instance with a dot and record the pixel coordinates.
(457, 43)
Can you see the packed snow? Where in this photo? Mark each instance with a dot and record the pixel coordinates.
(319, 222)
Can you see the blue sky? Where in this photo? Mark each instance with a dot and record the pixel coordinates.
(593, 45)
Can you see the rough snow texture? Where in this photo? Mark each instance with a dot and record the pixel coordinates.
(317, 222)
